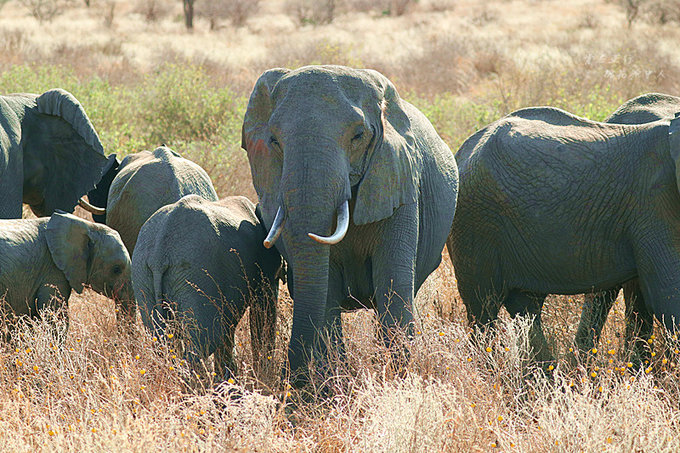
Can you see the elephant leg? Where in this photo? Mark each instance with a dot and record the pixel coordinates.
(331, 342)
(263, 329)
(394, 279)
(657, 261)
(594, 313)
(56, 299)
(394, 265)
(336, 294)
(523, 303)
(639, 321)
(482, 305)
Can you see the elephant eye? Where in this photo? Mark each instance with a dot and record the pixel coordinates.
(358, 136)
(274, 142)
(117, 269)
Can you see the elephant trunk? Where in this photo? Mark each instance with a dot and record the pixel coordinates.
(310, 283)
(126, 306)
(311, 198)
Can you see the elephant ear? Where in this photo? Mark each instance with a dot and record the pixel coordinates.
(61, 144)
(393, 170)
(265, 166)
(69, 243)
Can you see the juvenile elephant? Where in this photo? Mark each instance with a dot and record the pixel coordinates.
(50, 154)
(132, 190)
(327, 139)
(42, 260)
(645, 108)
(553, 203)
(204, 262)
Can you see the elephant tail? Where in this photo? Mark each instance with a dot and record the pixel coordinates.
(158, 311)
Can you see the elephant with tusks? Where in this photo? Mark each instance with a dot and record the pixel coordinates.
(358, 193)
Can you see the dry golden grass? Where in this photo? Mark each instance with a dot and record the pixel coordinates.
(103, 391)
(464, 64)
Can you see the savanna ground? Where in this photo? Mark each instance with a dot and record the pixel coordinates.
(464, 63)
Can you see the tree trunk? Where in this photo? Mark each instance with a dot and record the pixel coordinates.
(189, 14)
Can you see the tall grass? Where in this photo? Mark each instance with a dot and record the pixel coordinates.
(102, 390)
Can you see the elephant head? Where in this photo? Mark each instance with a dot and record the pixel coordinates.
(62, 155)
(319, 140)
(98, 197)
(91, 254)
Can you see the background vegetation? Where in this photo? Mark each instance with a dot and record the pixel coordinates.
(145, 80)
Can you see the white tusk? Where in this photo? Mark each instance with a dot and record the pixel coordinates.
(90, 208)
(276, 229)
(340, 230)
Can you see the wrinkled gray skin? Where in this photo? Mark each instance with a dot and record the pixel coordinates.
(50, 155)
(144, 182)
(639, 322)
(42, 260)
(646, 108)
(322, 135)
(204, 262)
(551, 203)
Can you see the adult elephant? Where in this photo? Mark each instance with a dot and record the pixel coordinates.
(132, 190)
(645, 108)
(327, 139)
(553, 203)
(50, 154)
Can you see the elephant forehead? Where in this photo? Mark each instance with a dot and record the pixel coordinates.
(329, 86)
(325, 115)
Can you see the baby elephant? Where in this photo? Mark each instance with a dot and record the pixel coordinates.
(203, 263)
(41, 260)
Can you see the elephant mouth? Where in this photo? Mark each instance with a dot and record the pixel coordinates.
(340, 229)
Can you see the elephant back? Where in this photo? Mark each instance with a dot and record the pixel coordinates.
(646, 109)
(147, 181)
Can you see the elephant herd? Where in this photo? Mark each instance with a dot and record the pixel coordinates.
(357, 196)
